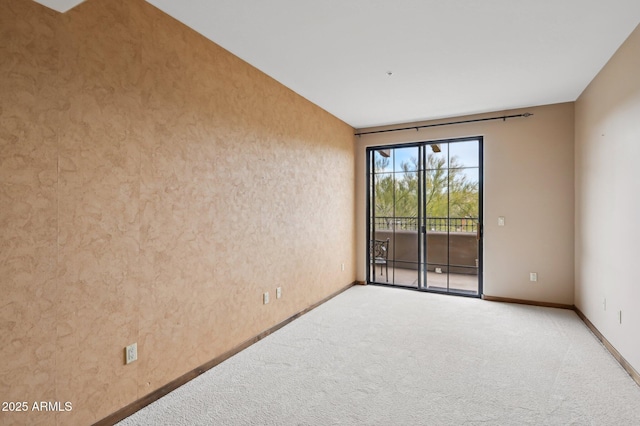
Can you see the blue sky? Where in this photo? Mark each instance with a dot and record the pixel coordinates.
(465, 151)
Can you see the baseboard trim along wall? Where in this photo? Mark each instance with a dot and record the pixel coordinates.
(623, 362)
(171, 386)
(527, 302)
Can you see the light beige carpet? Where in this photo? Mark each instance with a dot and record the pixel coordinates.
(382, 356)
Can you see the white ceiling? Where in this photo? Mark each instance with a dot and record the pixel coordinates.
(60, 5)
(448, 58)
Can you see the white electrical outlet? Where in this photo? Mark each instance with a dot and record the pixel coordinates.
(278, 292)
(342, 267)
(533, 276)
(265, 298)
(131, 353)
(501, 221)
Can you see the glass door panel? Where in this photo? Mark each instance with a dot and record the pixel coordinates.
(393, 240)
(464, 232)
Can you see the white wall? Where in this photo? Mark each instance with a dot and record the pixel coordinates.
(607, 164)
(528, 178)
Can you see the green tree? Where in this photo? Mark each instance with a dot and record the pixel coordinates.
(449, 191)
(384, 188)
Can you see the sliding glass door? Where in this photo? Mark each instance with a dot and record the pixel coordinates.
(424, 225)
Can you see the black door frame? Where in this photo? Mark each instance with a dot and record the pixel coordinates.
(370, 201)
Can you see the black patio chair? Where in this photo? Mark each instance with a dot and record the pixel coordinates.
(379, 255)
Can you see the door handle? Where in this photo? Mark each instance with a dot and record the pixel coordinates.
(478, 231)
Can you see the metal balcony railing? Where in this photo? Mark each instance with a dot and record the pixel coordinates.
(443, 224)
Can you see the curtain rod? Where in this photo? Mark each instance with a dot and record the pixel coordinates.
(450, 123)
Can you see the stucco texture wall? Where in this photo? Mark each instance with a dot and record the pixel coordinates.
(528, 179)
(152, 186)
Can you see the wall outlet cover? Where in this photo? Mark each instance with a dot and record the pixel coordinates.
(131, 353)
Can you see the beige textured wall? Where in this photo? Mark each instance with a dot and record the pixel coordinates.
(528, 179)
(152, 186)
(608, 200)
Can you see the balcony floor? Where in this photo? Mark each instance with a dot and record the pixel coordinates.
(458, 283)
